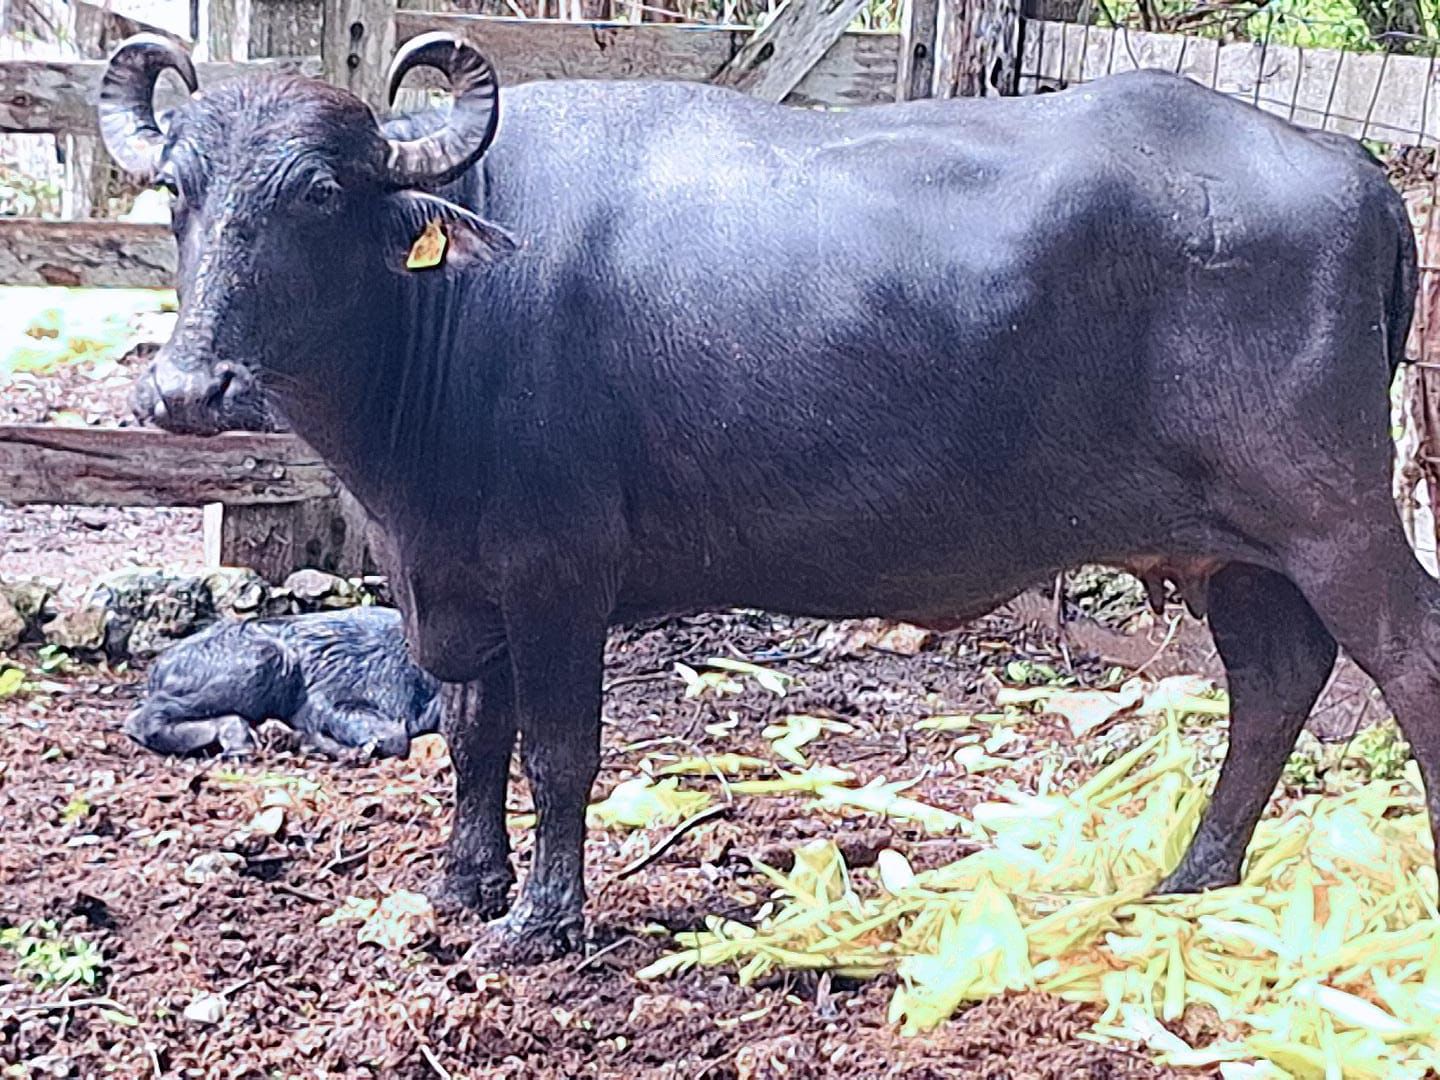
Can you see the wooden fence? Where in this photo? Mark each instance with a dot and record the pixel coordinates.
(281, 504)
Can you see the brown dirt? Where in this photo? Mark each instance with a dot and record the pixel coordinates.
(309, 1000)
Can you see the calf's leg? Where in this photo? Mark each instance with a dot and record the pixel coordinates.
(165, 734)
(478, 722)
(1277, 657)
(353, 727)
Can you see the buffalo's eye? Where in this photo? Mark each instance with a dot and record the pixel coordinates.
(321, 194)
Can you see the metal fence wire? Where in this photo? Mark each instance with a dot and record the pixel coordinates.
(1387, 96)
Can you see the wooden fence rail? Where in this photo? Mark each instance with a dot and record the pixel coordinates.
(1378, 96)
(93, 466)
(270, 503)
(95, 254)
(47, 97)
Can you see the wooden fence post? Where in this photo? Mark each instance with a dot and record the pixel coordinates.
(919, 25)
(329, 534)
(979, 48)
(87, 166)
(228, 33)
(356, 38)
(356, 43)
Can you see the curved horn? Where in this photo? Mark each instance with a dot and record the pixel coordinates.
(440, 157)
(127, 111)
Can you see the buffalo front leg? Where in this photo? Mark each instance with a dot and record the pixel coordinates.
(1277, 657)
(558, 660)
(478, 722)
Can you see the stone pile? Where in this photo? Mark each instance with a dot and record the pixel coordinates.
(139, 612)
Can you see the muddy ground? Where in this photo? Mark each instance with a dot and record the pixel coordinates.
(107, 840)
(119, 847)
(305, 1000)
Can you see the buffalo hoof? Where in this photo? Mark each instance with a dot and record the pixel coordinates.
(485, 895)
(515, 941)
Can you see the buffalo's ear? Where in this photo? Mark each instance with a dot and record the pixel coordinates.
(467, 240)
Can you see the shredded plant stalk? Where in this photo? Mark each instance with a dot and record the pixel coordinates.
(1325, 958)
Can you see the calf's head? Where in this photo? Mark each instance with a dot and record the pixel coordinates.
(291, 209)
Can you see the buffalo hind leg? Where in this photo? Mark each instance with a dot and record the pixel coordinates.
(1384, 610)
(1278, 656)
(478, 722)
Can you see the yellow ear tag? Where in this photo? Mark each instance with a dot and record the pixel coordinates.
(429, 250)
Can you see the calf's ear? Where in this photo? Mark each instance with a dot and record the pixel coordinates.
(428, 232)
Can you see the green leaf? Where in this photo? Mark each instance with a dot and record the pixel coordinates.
(12, 679)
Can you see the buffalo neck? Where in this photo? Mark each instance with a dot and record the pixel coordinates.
(393, 404)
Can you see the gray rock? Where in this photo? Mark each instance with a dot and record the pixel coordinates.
(81, 630)
(316, 590)
(150, 610)
(12, 624)
(30, 600)
(237, 591)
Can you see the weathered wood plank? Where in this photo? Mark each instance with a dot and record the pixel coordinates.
(98, 254)
(357, 40)
(48, 96)
(84, 466)
(859, 69)
(228, 34)
(775, 59)
(1371, 95)
(920, 24)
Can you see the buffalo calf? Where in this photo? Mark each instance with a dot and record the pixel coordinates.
(342, 680)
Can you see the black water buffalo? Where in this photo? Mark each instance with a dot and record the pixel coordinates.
(695, 351)
(343, 680)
